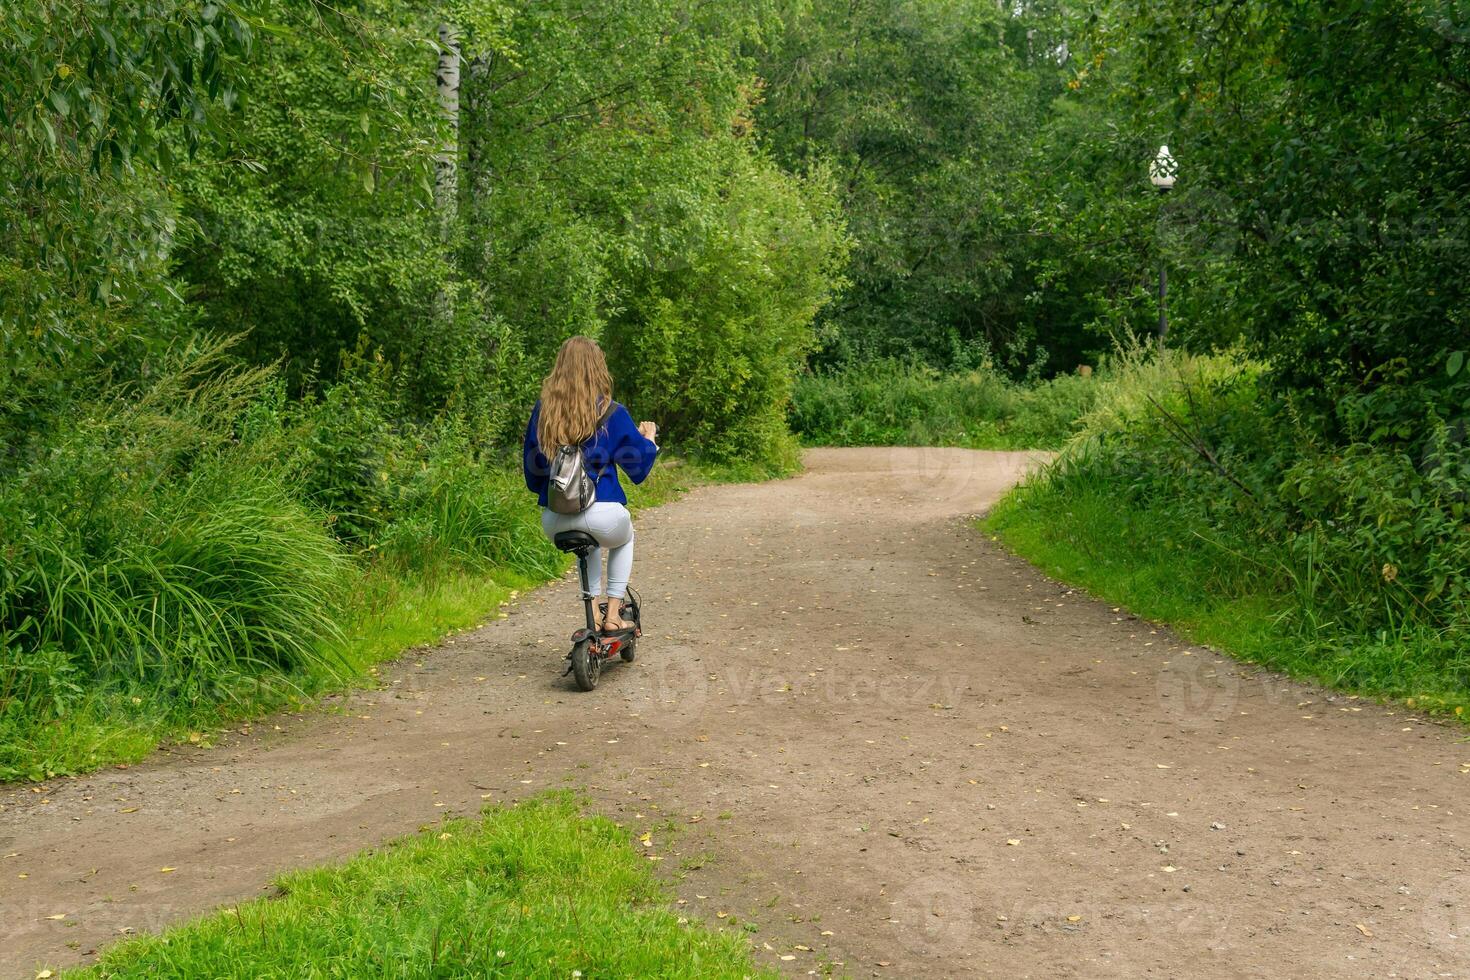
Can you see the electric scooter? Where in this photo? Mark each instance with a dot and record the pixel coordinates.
(591, 647)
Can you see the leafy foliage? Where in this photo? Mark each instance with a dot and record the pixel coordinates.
(999, 210)
(1334, 136)
(99, 102)
(890, 403)
(311, 221)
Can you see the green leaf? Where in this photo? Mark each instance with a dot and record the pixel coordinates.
(1455, 363)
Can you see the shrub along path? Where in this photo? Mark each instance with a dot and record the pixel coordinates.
(859, 730)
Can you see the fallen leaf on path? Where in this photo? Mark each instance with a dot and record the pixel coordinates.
(166, 870)
(1013, 842)
(1363, 929)
(57, 917)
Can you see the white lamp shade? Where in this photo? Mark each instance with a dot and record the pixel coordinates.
(1163, 169)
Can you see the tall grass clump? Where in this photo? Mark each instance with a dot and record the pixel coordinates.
(893, 403)
(1197, 496)
(155, 561)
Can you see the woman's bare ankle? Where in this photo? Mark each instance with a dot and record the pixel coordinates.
(614, 619)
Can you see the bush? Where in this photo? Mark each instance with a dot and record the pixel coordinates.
(713, 335)
(456, 512)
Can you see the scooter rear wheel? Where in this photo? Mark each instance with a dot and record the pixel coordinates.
(629, 649)
(586, 667)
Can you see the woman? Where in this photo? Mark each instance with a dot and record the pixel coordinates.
(576, 409)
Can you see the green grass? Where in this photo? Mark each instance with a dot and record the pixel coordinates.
(887, 403)
(1239, 599)
(537, 890)
(388, 606)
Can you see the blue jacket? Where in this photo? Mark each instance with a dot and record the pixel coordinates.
(617, 442)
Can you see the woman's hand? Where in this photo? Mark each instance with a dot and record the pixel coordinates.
(648, 431)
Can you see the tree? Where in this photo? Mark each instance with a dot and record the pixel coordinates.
(1340, 132)
(446, 161)
(99, 102)
(931, 115)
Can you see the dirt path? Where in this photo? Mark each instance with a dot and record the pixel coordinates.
(879, 736)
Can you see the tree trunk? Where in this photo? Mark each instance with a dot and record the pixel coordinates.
(446, 161)
(446, 169)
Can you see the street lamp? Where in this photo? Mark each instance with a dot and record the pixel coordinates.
(1161, 173)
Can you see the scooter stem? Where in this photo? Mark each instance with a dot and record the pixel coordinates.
(586, 592)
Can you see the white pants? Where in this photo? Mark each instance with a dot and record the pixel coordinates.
(612, 526)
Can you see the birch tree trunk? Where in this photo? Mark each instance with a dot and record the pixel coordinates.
(446, 161)
(446, 165)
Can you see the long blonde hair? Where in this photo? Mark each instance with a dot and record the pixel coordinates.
(574, 395)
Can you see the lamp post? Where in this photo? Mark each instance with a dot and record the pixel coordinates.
(1161, 173)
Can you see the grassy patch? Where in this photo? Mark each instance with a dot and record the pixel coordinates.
(1130, 557)
(538, 890)
(1245, 599)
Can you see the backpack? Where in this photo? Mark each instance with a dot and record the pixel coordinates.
(570, 488)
